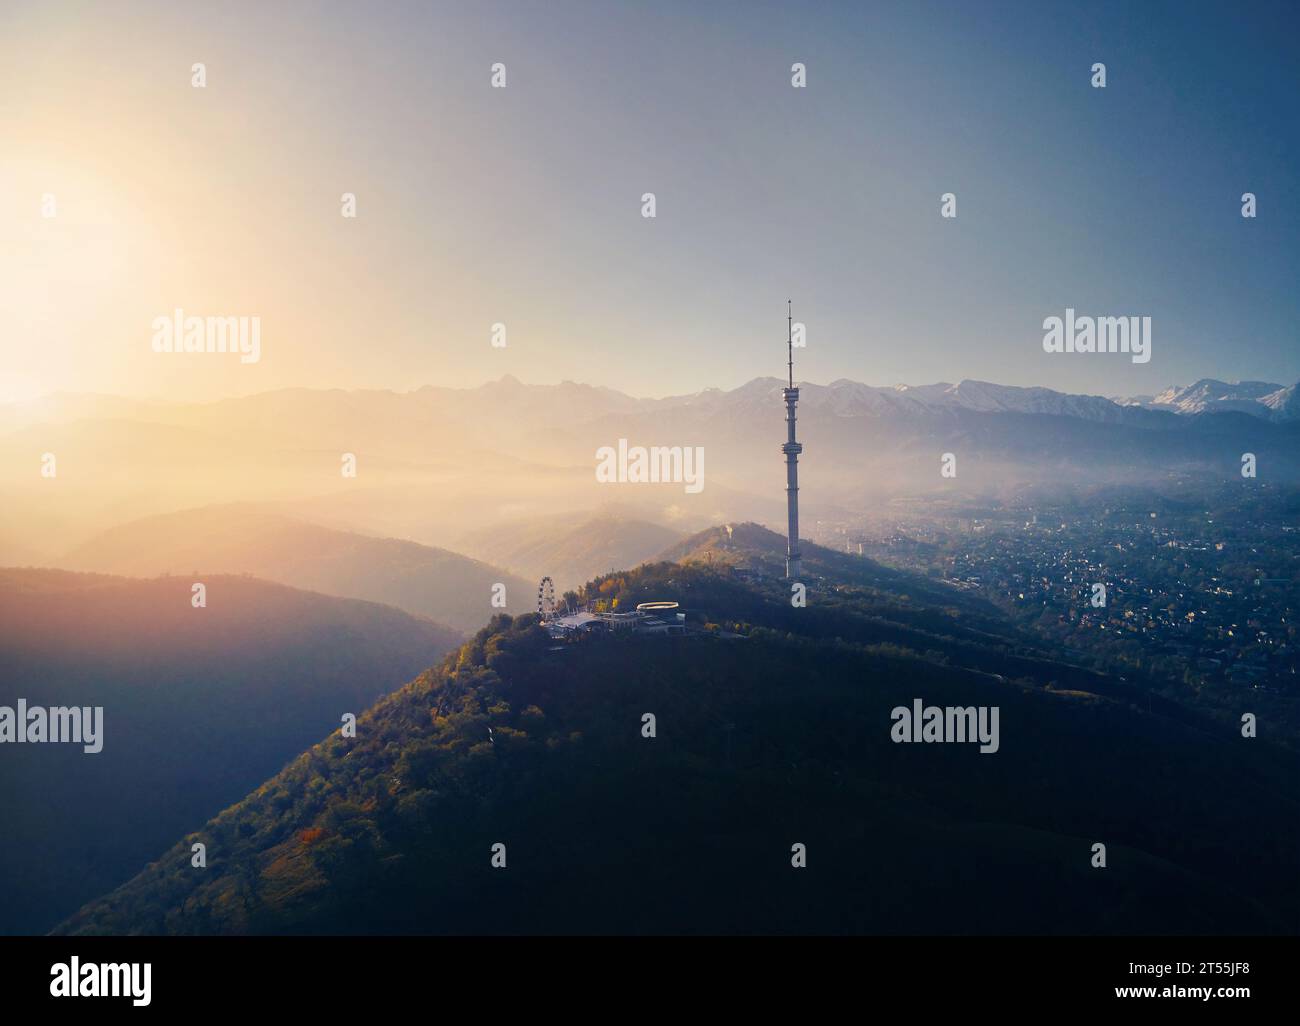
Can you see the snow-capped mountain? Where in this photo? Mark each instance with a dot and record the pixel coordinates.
(844, 398)
(1283, 405)
(1258, 398)
(508, 403)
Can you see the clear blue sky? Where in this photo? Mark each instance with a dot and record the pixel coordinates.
(523, 205)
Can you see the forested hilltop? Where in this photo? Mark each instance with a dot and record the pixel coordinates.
(772, 728)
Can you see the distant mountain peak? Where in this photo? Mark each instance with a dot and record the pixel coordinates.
(1210, 395)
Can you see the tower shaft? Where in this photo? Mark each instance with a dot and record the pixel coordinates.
(792, 449)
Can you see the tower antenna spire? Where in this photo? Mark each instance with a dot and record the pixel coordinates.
(789, 323)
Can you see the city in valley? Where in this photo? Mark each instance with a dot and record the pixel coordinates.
(1202, 593)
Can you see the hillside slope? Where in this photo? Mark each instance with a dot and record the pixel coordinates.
(773, 727)
(199, 706)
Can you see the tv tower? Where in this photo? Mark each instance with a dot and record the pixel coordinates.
(792, 449)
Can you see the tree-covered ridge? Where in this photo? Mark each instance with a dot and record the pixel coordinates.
(780, 735)
(200, 704)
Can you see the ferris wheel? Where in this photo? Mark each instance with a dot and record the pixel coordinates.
(546, 598)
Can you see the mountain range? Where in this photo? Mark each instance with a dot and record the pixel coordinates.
(438, 464)
(846, 398)
(570, 402)
(1257, 398)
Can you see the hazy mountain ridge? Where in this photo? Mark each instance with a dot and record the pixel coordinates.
(429, 405)
(570, 548)
(423, 580)
(436, 464)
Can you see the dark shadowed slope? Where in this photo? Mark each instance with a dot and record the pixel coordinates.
(200, 704)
